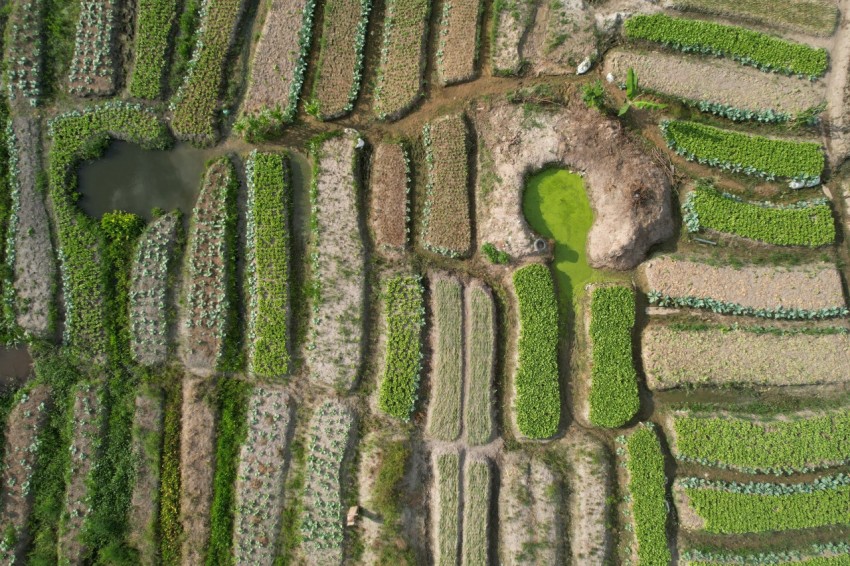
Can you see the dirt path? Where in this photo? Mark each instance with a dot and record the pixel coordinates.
(837, 130)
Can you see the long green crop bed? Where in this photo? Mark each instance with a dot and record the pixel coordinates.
(775, 447)
(648, 489)
(743, 153)
(803, 224)
(614, 396)
(750, 47)
(538, 398)
(731, 508)
(153, 33)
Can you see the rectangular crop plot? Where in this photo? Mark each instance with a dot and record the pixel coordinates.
(389, 210)
(446, 510)
(268, 250)
(816, 17)
(209, 273)
(340, 67)
(648, 490)
(331, 429)
(337, 263)
(477, 493)
(150, 300)
(23, 45)
(680, 357)
(402, 63)
(196, 103)
(277, 70)
(93, 65)
(447, 363)
(480, 364)
(154, 26)
(457, 49)
(446, 224)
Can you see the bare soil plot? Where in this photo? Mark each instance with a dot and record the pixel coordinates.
(590, 484)
(446, 508)
(197, 465)
(529, 528)
(510, 26)
(24, 423)
(23, 45)
(629, 192)
(447, 364)
(563, 35)
(399, 83)
(144, 506)
(457, 49)
(717, 356)
(340, 64)
(31, 253)
(150, 300)
(87, 423)
(277, 70)
(389, 200)
(205, 306)
(338, 265)
(815, 17)
(93, 65)
(718, 81)
(809, 287)
(263, 462)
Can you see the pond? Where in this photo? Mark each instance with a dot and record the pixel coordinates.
(15, 365)
(556, 206)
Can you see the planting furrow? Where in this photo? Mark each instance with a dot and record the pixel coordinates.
(446, 510)
(331, 431)
(197, 465)
(340, 66)
(811, 291)
(23, 427)
(446, 224)
(154, 27)
(337, 263)
(150, 300)
(85, 440)
(23, 55)
(457, 49)
(480, 364)
(147, 445)
(399, 84)
(205, 317)
(444, 408)
(389, 210)
(648, 492)
(93, 66)
(277, 70)
(268, 250)
(477, 491)
(29, 251)
(196, 103)
(679, 357)
(260, 479)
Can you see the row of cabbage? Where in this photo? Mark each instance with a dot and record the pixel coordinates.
(724, 307)
(93, 65)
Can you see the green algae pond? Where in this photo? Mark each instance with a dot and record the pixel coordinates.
(556, 206)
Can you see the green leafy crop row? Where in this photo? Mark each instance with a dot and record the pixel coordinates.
(743, 153)
(538, 398)
(614, 396)
(804, 224)
(405, 319)
(153, 32)
(750, 47)
(648, 489)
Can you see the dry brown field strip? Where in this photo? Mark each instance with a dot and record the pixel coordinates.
(389, 214)
(457, 49)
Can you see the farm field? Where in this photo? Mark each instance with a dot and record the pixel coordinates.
(409, 282)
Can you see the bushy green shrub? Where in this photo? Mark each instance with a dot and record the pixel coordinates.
(648, 490)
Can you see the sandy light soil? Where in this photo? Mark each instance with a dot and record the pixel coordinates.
(590, 487)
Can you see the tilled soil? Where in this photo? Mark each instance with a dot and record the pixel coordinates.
(388, 200)
(459, 29)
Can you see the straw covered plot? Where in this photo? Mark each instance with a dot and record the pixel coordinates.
(205, 309)
(259, 483)
(480, 364)
(330, 433)
(337, 263)
(340, 66)
(277, 70)
(93, 65)
(477, 494)
(402, 63)
(150, 302)
(675, 357)
(389, 207)
(447, 361)
(446, 508)
(446, 224)
(457, 51)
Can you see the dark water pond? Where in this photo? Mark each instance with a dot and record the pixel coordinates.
(15, 365)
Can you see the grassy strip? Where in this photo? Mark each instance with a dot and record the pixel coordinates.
(170, 530)
(614, 398)
(648, 489)
(386, 498)
(447, 482)
(802, 224)
(231, 433)
(764, 507)
(155, 23)
(447, 365)
(405, 314)
(59, 25)
(476, 513)
(481, 345)
(184, 42)
(743, 153)
(749, 47)
(538, 397)
(818, 17)
(8, 323)
(778, 447)
(268, 263)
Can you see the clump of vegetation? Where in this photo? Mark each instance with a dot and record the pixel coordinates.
(648, 490)
(495, 255)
